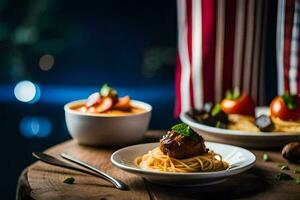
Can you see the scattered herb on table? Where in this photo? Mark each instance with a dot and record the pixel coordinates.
(298, 181)
(265, 157)
(297, 170)
(283, 177)
(69, 180)
(284, 167)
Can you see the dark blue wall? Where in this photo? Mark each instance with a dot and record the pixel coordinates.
(129, 44)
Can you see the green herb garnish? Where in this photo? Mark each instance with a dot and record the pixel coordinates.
(284, 167)
(265, 157)
(216, 110)
(69, 180)
(297, 170)
(218, 124)
(289, 100)
(107, 91)
(184, 130)
(297, 181)
(283, 177)
(233, 95)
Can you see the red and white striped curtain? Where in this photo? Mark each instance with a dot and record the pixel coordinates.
(287, 41)
(221, 45)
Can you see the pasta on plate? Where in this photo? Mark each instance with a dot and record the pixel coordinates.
(181, 150)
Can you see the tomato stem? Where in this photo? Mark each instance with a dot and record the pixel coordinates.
(289, 100)
(233, 94)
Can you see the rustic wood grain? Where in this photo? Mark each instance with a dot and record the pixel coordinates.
(46, 181)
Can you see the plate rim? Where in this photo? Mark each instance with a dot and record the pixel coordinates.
(219, 131)
(223, 173)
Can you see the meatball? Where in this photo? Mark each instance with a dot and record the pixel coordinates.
(178, 146)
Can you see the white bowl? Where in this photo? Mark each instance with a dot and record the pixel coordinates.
(106, 130)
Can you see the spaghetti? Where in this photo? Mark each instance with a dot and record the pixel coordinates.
(246, 123)
(156, 160)
(286, 126)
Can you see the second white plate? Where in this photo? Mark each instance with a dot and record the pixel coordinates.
(247, 139)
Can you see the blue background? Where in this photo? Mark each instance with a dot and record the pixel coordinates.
(128, 44)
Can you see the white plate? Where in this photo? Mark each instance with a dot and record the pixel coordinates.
(241, 158)
(242, 138)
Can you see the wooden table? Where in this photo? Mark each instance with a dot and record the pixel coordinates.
(43, 181)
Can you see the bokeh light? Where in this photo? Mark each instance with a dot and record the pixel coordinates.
(27, 91)
(46, 62)
(35, 126)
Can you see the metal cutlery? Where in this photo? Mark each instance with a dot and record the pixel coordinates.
(54, 161)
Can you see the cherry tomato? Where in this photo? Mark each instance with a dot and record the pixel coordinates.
(242, 105)
(123, 104)
(279, 108)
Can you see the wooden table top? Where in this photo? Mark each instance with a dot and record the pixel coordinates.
(43, 181)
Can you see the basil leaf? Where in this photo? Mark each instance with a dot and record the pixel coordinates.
(297, 181)
(69, 180)
(193, 135)
(216, 110)
(181, 129)
(184, 130)
(297, 170)
(283, 177)
(106, 91)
